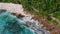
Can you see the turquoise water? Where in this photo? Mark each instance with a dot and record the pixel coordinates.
(10, 24)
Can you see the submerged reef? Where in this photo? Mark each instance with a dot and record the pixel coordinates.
(10, 24)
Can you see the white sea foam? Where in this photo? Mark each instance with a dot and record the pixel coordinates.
(35, 26)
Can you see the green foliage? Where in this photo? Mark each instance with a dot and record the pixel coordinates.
(11, 1)
(57, 15)
(49, 18)
(54, 22)
(58, 24)
(43, 6)
(48, 6)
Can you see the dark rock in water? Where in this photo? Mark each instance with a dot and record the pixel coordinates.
(18, 15)
(10, 24)
(2, 10)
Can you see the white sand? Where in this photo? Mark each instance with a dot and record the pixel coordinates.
(15, 8)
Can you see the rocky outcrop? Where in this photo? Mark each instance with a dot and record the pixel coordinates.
(49, 26)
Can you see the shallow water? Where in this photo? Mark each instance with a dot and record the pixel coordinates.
(10, 24)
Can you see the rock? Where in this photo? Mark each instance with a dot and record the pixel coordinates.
(35, 25)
